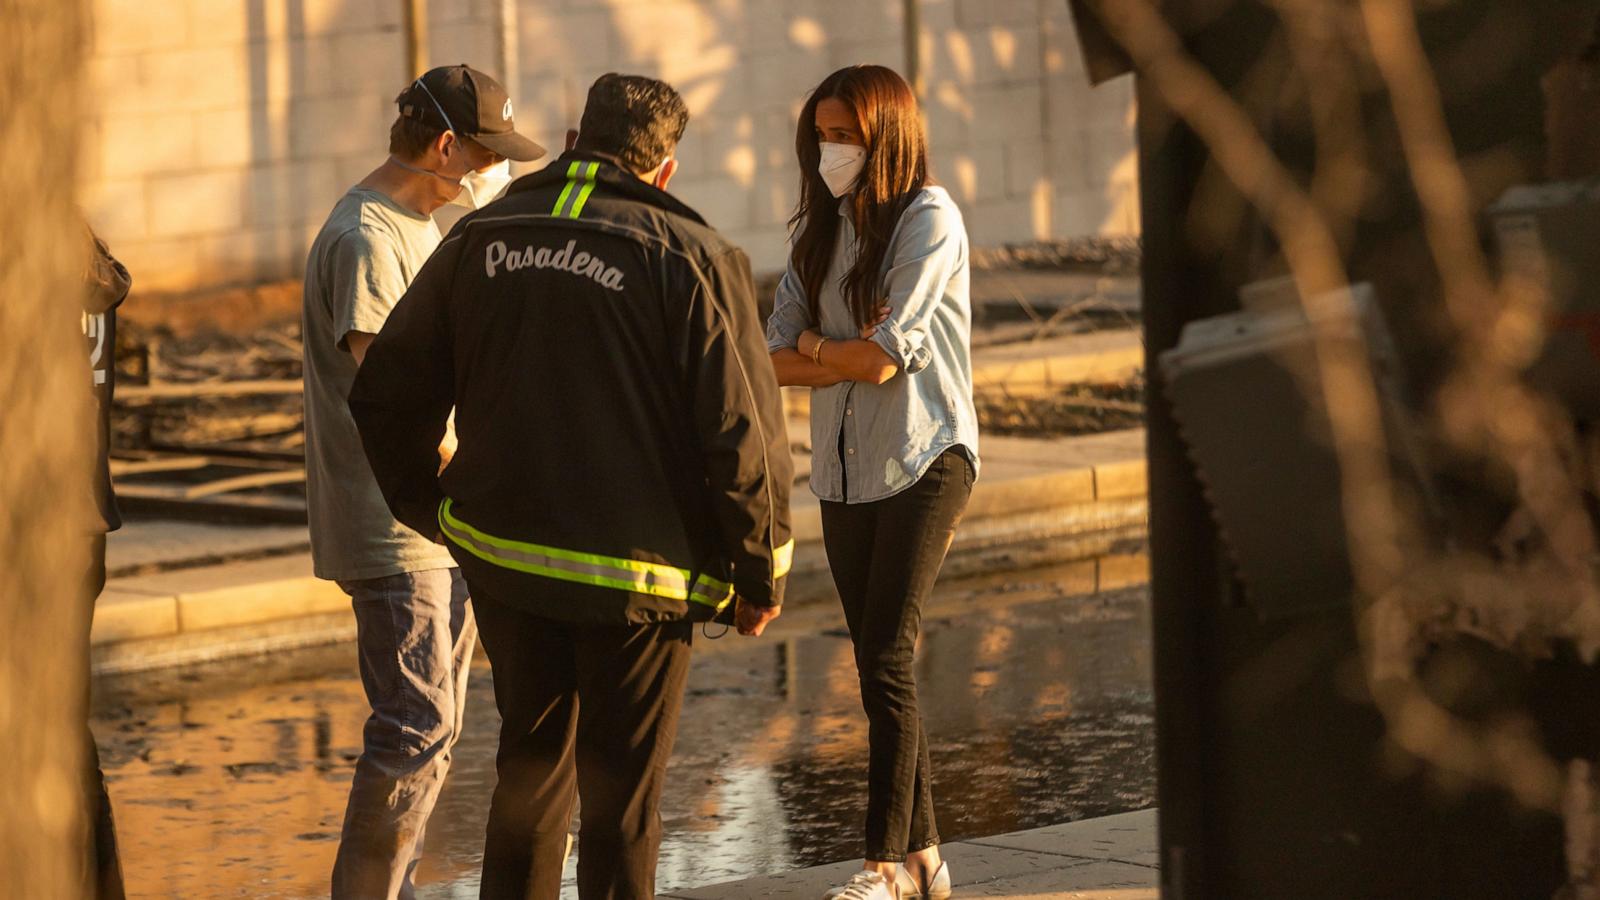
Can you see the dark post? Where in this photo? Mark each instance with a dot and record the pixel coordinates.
(1184, 577)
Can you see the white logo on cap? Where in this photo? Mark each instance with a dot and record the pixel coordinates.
(506, 112)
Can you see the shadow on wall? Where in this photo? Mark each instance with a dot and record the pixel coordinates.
(277, 192)
(227, 131)
(742, 67)
(1028, 148)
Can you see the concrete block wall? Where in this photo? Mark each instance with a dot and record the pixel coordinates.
(225, 129)
(1023, 142)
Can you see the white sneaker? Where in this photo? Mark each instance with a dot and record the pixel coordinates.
(864, 885)
(938, 887)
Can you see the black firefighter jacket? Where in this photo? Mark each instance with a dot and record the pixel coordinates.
(622, 452)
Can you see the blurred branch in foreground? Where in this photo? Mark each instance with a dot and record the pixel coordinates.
(1367, 140)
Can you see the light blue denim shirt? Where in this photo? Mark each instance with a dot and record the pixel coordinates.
(892, 432)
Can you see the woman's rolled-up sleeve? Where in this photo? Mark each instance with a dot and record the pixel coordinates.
(790, 316)
(930, 249)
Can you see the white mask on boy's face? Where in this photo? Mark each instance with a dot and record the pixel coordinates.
(840, 166)
(478, 188)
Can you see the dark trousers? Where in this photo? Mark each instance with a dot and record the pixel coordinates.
(885, 556)
(105, 867)
(586, 711)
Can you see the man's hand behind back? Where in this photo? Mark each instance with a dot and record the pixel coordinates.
(751, 619)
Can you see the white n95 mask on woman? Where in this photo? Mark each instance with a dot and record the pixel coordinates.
(841, 165)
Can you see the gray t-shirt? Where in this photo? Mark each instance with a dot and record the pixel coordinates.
(360, 264)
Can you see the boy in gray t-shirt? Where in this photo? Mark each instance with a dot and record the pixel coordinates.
(414, 625)
(361, 262)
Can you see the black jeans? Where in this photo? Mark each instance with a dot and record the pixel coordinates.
(586, 711)
(105, 866)
(885, 556)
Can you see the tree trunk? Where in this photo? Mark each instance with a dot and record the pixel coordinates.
(45, 444)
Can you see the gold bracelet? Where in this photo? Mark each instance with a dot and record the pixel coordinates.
(816, 351)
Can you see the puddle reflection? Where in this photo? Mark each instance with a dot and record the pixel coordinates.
(231, 781)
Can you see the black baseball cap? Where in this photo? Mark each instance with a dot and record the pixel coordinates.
(470, 103)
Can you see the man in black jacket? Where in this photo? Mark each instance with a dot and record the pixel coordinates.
(622, 474)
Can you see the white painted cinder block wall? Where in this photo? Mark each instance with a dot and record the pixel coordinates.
(225, 129)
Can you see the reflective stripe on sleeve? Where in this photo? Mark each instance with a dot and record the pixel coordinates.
(782, 560)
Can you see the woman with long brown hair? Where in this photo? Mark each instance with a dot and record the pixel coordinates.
(873, 314)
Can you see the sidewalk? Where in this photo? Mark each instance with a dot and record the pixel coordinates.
(1112, 858)
(144, 546)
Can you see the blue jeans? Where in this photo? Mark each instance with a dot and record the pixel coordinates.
(415, 633)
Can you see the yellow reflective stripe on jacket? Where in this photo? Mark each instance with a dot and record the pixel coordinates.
(589, 174)
(637, 576)
(588, 188)
(572, 182)
(782, 560)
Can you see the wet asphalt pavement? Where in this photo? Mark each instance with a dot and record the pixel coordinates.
(230, 780)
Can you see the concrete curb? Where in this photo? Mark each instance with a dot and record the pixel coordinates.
(1044, 511)
(1109, 858)
(201, 614)
(1077, 489)
(1030, 368)
(266, 605)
